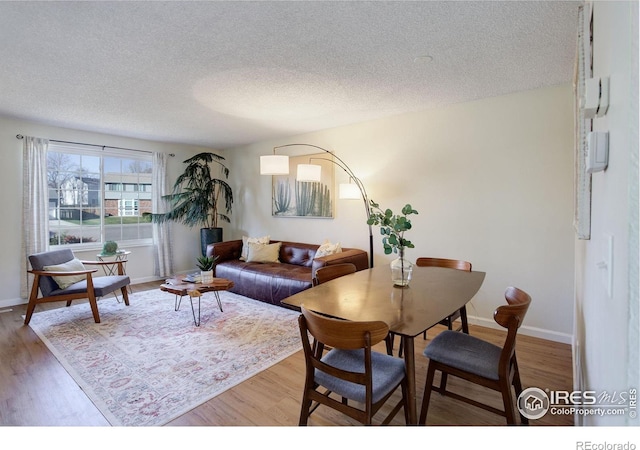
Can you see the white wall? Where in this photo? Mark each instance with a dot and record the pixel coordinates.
(607, 326)
(140, 266)
(492, 181)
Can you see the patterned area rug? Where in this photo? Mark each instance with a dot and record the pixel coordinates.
(147, 364)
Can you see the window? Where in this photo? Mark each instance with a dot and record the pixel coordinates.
(98, 194)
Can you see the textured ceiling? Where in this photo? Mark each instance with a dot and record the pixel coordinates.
(222, 74)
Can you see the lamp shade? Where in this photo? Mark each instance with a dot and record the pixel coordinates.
(274, 165)
(309, 172)
(349, 191)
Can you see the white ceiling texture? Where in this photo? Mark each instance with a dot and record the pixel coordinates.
(227, 73)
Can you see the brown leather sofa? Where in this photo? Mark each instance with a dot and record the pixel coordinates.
(273, 282)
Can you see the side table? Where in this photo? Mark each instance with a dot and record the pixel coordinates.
(111, 269)
(181, 288)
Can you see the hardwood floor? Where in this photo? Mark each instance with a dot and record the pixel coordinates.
(35, 390)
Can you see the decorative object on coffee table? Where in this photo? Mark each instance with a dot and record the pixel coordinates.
(206, 265)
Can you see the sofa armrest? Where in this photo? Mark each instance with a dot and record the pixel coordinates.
(357, 257)
(225, 250)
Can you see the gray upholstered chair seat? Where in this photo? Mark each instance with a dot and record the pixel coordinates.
(387, 370)
(471, 354)
(101, 285)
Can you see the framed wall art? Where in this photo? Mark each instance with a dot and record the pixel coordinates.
(293, 198)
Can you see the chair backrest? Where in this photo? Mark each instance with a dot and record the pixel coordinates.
(511, 317)
(326, 273)
(52, 258)
(443, 262)
(342, 334)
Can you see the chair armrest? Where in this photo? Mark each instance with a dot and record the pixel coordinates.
(46, 273)
(225, 250)
(357, 257)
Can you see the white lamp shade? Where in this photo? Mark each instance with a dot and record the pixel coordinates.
(274, 165)
(309, 172)
(349, 191)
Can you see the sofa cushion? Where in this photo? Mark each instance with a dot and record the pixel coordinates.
(263, 253)
(327, 248)
(297, 254)
(246, 240)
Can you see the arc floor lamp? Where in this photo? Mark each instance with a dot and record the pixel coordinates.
(279, 165)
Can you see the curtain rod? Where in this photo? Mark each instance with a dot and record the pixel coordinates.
(19, 136)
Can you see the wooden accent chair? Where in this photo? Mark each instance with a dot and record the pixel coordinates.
(326, 273)
(350, 370)
(59, 276)
(480, 362)
(450, 264)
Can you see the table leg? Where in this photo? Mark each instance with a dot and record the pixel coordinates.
(177, 302)
(197, 323)
(218, 299)
(410, 364)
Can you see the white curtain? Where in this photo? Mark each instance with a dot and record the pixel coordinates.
(161, 231)
(35, 215)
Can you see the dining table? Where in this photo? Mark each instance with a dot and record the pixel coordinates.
(433, 294)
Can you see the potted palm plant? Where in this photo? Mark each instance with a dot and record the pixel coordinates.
(200, 199)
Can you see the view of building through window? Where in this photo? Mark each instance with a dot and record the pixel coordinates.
(96, 195)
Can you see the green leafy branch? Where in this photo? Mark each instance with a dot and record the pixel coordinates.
(392, 227)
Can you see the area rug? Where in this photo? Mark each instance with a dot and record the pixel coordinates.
(146, 364)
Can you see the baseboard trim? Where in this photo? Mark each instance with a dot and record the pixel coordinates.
(525, 330)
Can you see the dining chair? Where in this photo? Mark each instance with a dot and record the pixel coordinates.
(350, 370)
(60, 276)
(333, 271)
(459, 314)
(480, 362)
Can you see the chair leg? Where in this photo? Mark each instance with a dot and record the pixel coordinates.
(304, 410)
(427, 395)
(389, 343)
(94, 306)
(32, 300)
(125, 295)
(518, 387)
(443, 381)
(507, 400)
(463, 319)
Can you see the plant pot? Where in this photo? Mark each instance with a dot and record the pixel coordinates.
(401, 270)
(206, 276)
(209, 236)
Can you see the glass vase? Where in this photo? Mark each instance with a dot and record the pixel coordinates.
(401, 270)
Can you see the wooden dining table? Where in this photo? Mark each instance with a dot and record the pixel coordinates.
(433, 294)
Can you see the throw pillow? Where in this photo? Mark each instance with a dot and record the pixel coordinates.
(327, 248)
(264, 253)
(64, 282)
(245, 244)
